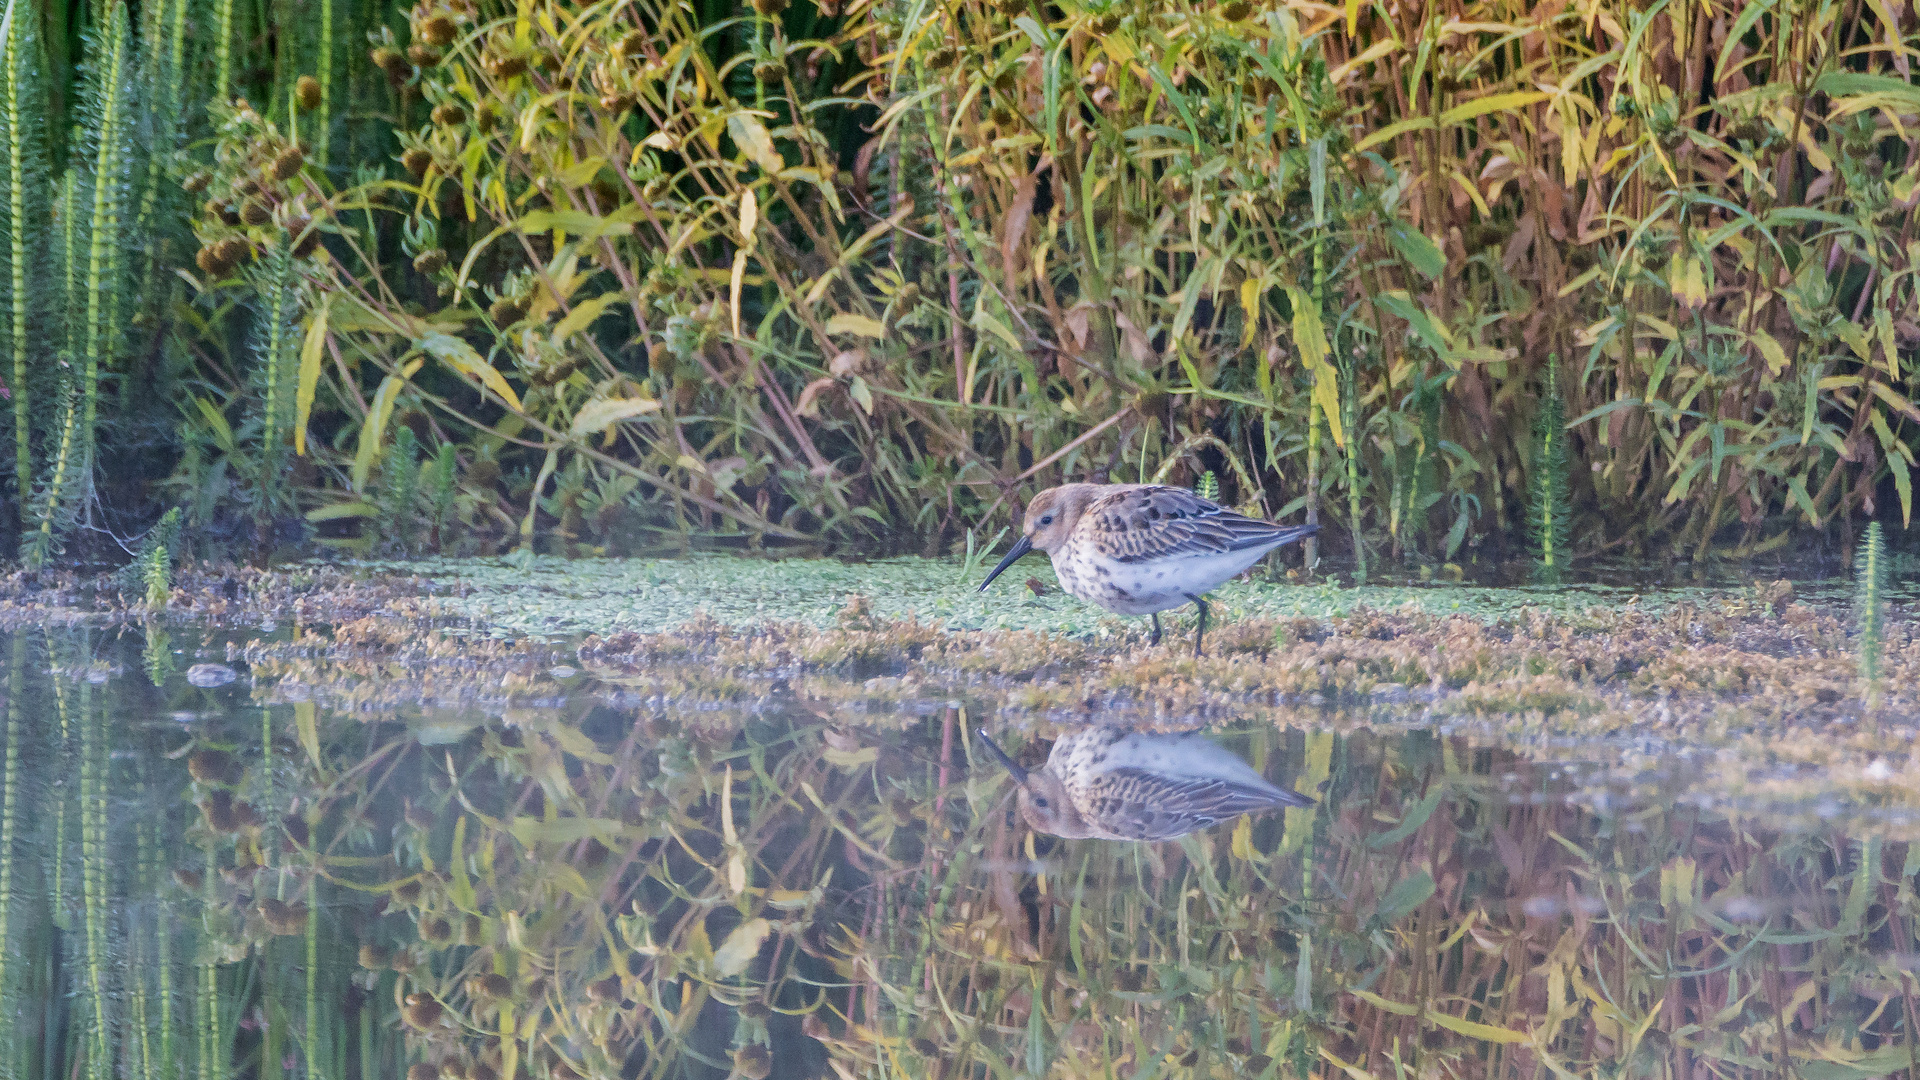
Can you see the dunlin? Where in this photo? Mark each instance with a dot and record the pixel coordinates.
(1115, 784)
(1139, 549)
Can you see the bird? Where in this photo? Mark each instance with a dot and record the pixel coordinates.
(1110, 783)
(1139, 549)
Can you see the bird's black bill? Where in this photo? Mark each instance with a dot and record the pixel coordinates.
(1019, 774)
(1020, 547)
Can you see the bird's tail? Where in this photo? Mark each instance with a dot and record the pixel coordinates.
(1290, 534)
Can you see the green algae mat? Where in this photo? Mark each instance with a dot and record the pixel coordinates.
(553, 597)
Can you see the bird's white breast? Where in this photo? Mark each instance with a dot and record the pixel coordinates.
(1142, 588)
(1184, 756)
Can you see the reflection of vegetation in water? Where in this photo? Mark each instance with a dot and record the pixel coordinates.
(781, 884)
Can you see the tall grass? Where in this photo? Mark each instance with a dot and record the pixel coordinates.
(876, 273)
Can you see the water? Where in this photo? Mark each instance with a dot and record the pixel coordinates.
(478, 863)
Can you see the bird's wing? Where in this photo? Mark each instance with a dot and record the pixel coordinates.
(1142, 522)
(1139, 805)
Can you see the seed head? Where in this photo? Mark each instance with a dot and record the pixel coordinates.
(197, 183)
(422, 1010)
(430, 261)
(255, 212)
(753, 1062)
(506, 311)
(423, 54)
(417, 161)
(391, 61)
(769, 8)
(287, 164)
(1235, 10)
(447, 114)
(506, 67)
(634, 44)
(307, 92)
(438, 31)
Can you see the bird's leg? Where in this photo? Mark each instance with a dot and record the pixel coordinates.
(1155, 639)
(1200, 631)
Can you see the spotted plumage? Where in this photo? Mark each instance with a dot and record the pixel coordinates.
(1114, 784)
(1139, 549)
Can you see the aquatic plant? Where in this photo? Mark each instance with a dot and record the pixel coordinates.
(1870, 579)
(1549, 505)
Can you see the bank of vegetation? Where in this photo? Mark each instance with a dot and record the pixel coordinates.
(1459, 281)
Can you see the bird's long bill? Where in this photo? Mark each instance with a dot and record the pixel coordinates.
(1020, 547)
(1019, 774)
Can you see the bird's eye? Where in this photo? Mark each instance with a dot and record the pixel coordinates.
(1041, 802)
(1046, 519)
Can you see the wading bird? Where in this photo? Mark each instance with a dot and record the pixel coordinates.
(1114, 784)
(1139, 549)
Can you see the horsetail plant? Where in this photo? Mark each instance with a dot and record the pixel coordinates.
(1549, 508)
(22, 116)
(9, 799)
(1870, 609)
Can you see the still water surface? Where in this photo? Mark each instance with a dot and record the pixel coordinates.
(282, 878)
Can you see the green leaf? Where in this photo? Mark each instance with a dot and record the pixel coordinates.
(1418, 249)
(217, 420)
(462, 358)
(583, 316)
(374, 429)
(1407, 894)
(1415, 818)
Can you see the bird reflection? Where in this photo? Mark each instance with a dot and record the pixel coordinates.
(1113, 784)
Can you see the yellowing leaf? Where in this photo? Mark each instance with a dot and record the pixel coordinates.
(750, 135)
(1482, 1032)
(460, 356)
(1770, 350)
(1242, 845)
(1687, 281)
(579, 174)
(749, 216)
(311, 351)
(373, 430)
(1492, 103)
(734, 281)
(597, 416)
(1310, 337)
(844, 323)
(583, 315)
(306, 724)
(741, 946)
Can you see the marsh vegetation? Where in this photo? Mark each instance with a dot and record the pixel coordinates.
(1466, 284)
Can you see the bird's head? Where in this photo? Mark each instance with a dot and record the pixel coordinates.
(1048, 523)
(1042, 797)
